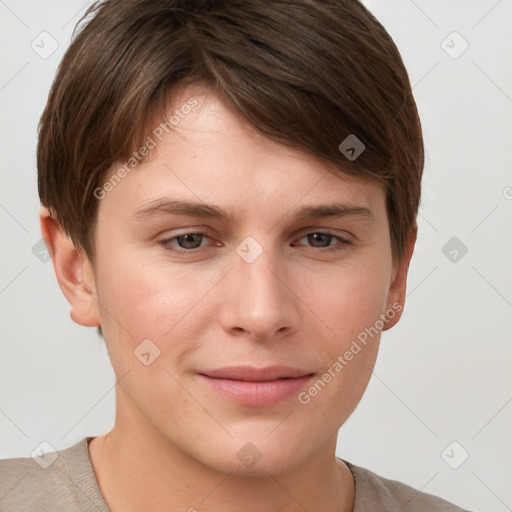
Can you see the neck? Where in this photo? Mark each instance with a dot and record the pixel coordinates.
(139, 470)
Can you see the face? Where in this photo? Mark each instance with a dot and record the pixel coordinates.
(225, 249)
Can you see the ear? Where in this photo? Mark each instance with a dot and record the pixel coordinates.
(74, 272)
(396, 295)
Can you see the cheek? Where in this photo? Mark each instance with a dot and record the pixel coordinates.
(350, 316)
(350, 301)
(151, 301)
(166, 302)
(336, 391)
(144, 303)
(349, 346)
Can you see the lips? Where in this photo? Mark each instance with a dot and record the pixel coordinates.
(248, 373)
(256, 387)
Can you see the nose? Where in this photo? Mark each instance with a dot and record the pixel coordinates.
(260, 303)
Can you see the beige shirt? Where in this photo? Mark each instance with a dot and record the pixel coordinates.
(69, 484)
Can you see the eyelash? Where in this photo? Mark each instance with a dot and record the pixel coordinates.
(343, 243)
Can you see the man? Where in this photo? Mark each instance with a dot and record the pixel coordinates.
(229, 194)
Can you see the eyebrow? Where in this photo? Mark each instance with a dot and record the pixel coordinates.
(165, 206)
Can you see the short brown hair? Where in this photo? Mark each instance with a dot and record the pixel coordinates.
(305, 73)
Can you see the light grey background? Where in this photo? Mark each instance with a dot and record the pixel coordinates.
(443, 373)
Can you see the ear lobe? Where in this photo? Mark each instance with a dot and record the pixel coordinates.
(397, 290)
(74, 271)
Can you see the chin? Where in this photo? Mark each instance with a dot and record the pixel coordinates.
(256, 456)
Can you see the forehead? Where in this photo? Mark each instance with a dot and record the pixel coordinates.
(212, 154)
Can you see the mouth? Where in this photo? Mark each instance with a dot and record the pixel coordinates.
(256, 386)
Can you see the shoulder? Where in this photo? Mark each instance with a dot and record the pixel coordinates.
(378, 494)
(55, 481)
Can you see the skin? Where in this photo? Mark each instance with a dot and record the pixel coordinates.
(175, 441)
